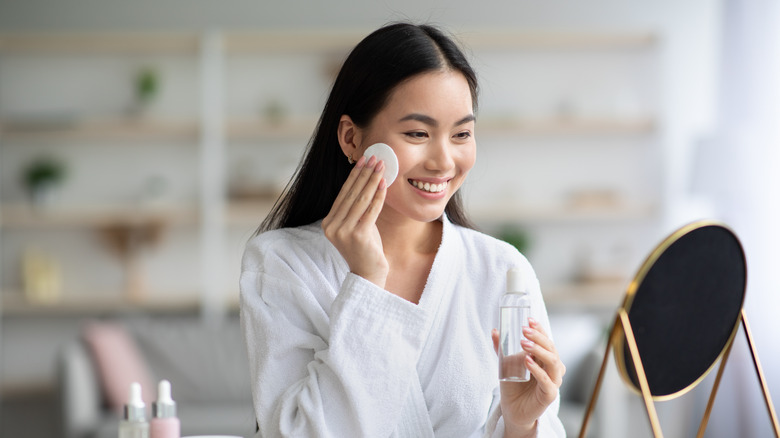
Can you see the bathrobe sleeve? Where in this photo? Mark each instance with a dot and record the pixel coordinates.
(321, 368)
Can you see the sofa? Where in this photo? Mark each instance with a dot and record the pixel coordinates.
(208, 370)
(205, 363)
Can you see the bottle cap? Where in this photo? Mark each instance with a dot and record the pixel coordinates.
(514, 282)
(135, 409)
(164, 407)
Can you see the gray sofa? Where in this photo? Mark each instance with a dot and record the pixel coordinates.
(209, 374)
(206, 365)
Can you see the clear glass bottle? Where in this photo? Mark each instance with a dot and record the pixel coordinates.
(134, 424)
(515, 309)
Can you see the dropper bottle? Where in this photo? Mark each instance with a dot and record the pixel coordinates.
(133, 423)
(164, 423)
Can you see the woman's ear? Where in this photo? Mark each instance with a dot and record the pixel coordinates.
(349, 137)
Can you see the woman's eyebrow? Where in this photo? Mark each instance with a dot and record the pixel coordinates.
(468, 118)
(430, 121)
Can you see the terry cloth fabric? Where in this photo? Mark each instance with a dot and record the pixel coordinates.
(333, 355)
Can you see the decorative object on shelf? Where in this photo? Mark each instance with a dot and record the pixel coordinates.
(42, 277)
(602, 264)
(274, 112)
(128, 242)
(42, 177)
(515, 236)
(147, 87)
(603, 199)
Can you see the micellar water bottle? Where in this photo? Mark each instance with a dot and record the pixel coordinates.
(514, 312)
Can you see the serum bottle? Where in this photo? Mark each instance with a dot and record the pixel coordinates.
(133, 423)
(514, 310)
(164, 423)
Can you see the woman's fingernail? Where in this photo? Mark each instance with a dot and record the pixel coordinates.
(532, 321)
(371, 161)
(360, 162)
(528, 331)
(527, 344)
(380, 166)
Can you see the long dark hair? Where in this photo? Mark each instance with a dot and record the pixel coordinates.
(381, 61)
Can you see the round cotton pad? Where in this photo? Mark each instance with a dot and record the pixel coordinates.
(385, 153)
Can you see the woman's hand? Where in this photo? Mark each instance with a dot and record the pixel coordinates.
(523, 403)
(351, 223)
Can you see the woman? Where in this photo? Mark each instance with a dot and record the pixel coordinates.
(367, 310)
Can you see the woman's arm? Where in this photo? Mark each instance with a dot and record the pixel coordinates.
(346, 375)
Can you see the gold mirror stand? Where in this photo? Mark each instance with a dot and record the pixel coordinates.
(623, 325)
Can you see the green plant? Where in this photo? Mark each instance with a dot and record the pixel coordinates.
(44, 171)
(515, 236)
(147, 84)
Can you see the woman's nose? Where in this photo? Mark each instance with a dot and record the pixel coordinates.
(439, 156)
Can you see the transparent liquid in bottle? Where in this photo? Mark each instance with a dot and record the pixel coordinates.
(511, 356)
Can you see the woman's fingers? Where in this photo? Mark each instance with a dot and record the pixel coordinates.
(365, 191)
(353, 174)
(548, 388)
(542, 350)
(358, 184)
(375, 206)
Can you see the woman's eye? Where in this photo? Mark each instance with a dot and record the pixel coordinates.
(463, 135)
(416, 134)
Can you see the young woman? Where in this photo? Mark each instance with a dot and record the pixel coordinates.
(369, 310)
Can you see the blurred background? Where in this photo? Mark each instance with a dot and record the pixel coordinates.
(142, 143)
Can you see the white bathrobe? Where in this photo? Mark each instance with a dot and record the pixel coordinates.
(333, 355)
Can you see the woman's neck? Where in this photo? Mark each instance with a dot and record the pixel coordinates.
(404, 237)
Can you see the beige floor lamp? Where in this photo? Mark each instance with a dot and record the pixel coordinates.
(681, 314)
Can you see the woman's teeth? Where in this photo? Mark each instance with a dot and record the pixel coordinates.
(428, 187)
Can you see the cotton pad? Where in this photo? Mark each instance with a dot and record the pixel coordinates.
(385, 153)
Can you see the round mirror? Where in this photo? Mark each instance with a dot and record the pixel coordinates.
(684, 306)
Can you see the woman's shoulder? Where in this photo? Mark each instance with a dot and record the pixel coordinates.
(282, 243)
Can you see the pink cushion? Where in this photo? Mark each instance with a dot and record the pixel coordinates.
(119, 363)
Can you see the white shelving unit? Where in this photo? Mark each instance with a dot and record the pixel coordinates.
(229, 108)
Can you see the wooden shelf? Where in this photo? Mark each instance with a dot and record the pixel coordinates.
(99, 43)
(321, 40)
(248, 212)
(101, 129)
(14, 304)
(575, 40)
(517, 213)
(564, 126)
(292, 129)
(260, 129)
(292, 41)
(24, 216)
(604, 295)
(302, 128)
(303, 40)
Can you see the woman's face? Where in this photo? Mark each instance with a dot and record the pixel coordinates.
(429, 122)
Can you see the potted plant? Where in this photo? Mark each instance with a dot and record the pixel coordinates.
(42, 177)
